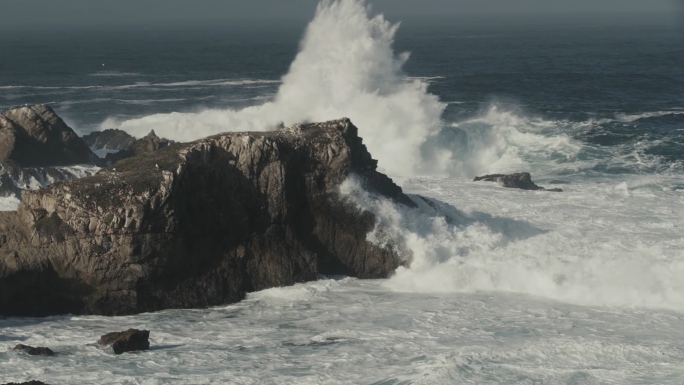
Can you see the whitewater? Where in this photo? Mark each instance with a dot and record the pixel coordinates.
(500, 286)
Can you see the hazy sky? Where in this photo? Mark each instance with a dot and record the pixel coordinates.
(50, 13)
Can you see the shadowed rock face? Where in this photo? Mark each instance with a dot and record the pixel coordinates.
(521, 180)
(32, 351)
(195, 225)
(110, 139)
(35, 136)
(129, 341)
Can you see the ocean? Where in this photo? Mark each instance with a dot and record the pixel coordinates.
(504, 287)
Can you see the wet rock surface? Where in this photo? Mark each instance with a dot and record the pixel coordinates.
(31, 351)
(521, 180)
(129, 341)
(195, 225)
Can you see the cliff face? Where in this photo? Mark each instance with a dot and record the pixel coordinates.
(195, 225)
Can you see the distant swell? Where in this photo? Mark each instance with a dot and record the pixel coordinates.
(647, 115)
(187, 83)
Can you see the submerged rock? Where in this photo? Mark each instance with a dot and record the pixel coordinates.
(129, 341)
(34, 136)
(196, 225)
(521, 180)
(31, 351)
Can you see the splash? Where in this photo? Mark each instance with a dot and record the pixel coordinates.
(555, 253)
(346, 67)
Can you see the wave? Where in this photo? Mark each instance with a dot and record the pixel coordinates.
(556, 247)
(625, 118)
(114, 74)
(346, 67)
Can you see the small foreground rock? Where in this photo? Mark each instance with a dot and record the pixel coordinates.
(31, 351)
(521, 180)
(128, 341)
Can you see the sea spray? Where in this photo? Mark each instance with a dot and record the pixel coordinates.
(346, 67)
(574, 260)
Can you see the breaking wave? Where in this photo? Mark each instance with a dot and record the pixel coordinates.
(346, 68)
(556, 252)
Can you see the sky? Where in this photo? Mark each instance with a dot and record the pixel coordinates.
(23, 14)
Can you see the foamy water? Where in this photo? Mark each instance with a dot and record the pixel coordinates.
(501, 286)
(580, 287)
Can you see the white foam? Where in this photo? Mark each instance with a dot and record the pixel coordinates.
(625, 118)
(606, 243)
(346, 67)
(9, 203)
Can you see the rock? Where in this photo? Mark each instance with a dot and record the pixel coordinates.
(521, 180)
(110, 139)
(30, 350)
(146, 145)
(195, 225)
(35, 136)
(128, 341)
(26, 383)
(125, 145)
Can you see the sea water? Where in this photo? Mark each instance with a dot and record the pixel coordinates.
(501, 286)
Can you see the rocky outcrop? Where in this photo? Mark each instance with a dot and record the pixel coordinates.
(145, 145)
(110, 139)
(35, 136)
(129, 341)
(196, 225)
(521, 180)
(120, 145)
(26, 383)
(31, 351)
(36, 148)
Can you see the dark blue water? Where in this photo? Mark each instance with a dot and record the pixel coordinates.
(625, 78)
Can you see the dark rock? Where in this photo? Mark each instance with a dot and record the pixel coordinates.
(521, 180)
(35, 136)
(129, 341)
(195, 225)
(110, 139)
(146, 145)
(26, 383)
(30, 350)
